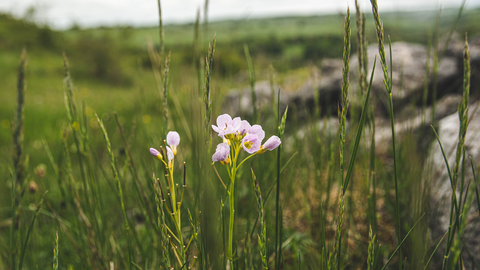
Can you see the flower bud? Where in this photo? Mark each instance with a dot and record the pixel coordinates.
(272, 143)
(32, 187)
(156, 154)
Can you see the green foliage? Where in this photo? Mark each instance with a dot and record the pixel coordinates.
(101, 59)
(16, 33)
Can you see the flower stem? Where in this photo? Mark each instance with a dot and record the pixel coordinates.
(231, 195)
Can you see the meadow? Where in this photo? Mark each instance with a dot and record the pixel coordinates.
(81, 186)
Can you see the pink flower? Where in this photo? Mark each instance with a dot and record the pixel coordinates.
(221, 153)
(226, 125)
(251, 143)
(173, 140)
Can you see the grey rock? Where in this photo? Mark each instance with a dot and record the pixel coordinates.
(409, 69)
(409, 62)
(455, 45)
(442, 191)
(475, 67)
(239, 101)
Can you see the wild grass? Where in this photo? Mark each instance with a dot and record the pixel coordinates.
(326, 211)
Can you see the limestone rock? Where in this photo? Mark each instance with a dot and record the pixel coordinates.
(442, 190)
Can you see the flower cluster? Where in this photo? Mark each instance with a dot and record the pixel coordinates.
(239, 132)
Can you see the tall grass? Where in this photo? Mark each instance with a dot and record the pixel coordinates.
(18, 160)
(388, 81)
(458, 215)
(116, 214)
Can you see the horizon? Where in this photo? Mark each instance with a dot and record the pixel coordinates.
(63, 14)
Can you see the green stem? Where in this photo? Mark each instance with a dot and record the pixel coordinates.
(176, 213)
(232, 216)
(231, 197)
(246, 159)
(392, 122)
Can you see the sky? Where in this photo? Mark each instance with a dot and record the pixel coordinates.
(62, 14)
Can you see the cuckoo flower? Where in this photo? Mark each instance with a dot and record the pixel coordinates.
(251, 143)
(226, 125)
(174, 198)
(221, 153)
(272, 143)
(238, 134)
(173, 139)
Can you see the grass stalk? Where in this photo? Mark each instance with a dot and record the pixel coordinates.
(197, 59)
(55, 252)
(435, 70)
(463, 121)
(160, 30)
(360, 49)
(30, 228)
(251, 76)
(401, 243)
(371, 250)
(359, 131)
(262, 236)
(207, 91)
(342, 132)
(205, 16)
(166, 71)
(323, 242)
(72, 114)
(18, 160)
(388, 81)
(137, 178)
(160, 200)
(345, 97)
(475, 182)
(426, 82)
(278, 223)
(271, 76)
(119, 189)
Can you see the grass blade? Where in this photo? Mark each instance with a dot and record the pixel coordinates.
(401, 243)
(30, 228)
(55, 252)
(359, 130)
(476, 185)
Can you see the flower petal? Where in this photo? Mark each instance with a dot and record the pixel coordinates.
(154, 152)
(221, 153)
(244, 127)
(257, 130)
(173, 139)
(224, 120)
(170, 154)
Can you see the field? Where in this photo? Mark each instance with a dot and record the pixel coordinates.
(323, 199)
